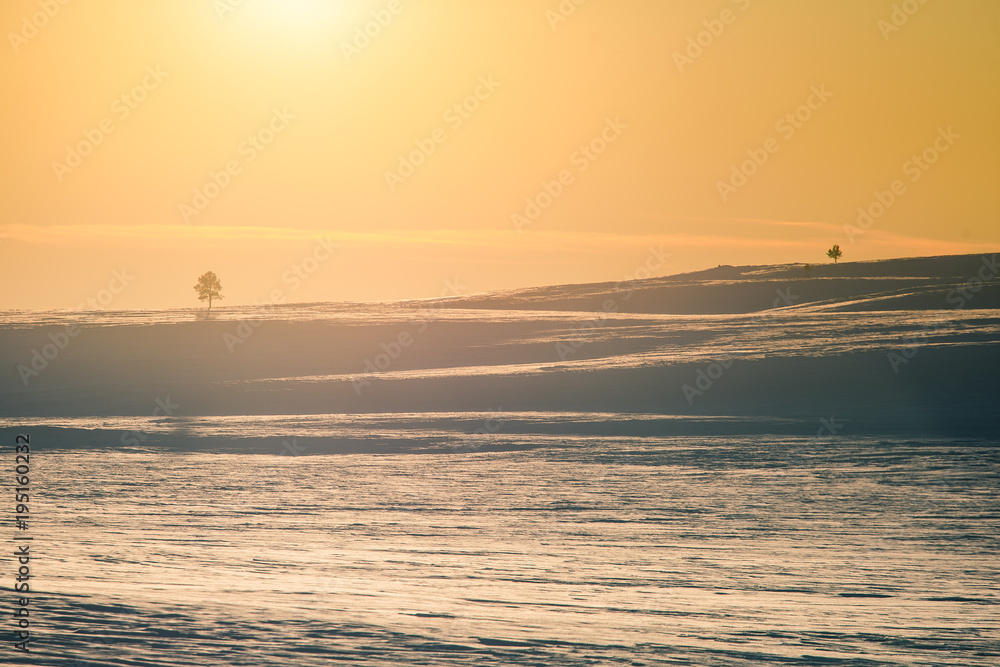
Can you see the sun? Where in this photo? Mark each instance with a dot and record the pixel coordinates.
(302, 10)
(296, 14)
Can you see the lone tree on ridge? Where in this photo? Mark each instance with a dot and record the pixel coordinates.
(209, 288)
(834, 253)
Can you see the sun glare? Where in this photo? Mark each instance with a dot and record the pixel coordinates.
(298, 14)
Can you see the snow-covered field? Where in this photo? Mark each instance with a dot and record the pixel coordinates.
(744, 466)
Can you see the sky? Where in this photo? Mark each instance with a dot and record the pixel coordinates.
(326, 150)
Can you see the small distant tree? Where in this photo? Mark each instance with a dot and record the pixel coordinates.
(808, 269)
(209, 288)
(834, 253)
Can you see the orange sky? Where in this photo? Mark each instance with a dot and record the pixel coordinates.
(165, 139)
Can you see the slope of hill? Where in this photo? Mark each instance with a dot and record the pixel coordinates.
(921, 283)
(878, 345)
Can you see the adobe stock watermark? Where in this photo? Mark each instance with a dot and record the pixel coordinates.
(295, 276)
(828, 429)
(705, 378)
(393, 349)
(249, 149)
(364, 34)
(696, 44)
(562, 12)
(292, 448)
(915, 167)
(900, 14)
(455, 116)
(49, 352)
(30, 25)
(491, 426)
(164, 408)
(225, 7)
(786, 126)
(958, 297)
(246, 327)
(581, 158)
(654, 262)
(122, 107)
